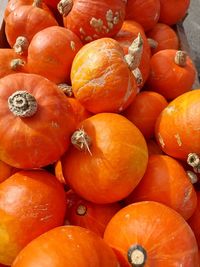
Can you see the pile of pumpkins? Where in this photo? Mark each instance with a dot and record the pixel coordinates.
(99, 136)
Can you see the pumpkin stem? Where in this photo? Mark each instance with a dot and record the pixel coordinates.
(67, 89)
(22, 104)
(152, 43)
(65, 6)
(193, 160)
(134, 55)
(138, 76)
(192, 177)
(21, 45)
(81, 210)
(16, 64)
(137, 256)
(180, 58)
(37, 3)
(81, 140)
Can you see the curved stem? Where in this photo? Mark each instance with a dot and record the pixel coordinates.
(137, 256)
(152, 43)
(21, 45)
(193, 159)
(17, 63)
(64, 7)
(81, 140)
(192, 177)
(67, 89)
(180, 58)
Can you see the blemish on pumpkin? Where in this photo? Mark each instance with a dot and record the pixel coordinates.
(170, 109)
(72, 45)
(187, 195)
(97, 24)
(54, 124)
(178, 139)
(81, 30)
(88, 38)
(161, 141)
(47, 217)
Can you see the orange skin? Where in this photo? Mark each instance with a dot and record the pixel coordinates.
(145, 12)
(162, 232)
(128, 32)
(6, 57)
(144, 110)
(174, 189)
(79, 19)
(53, 60)
(6, 171)
(153, 147)
(165, 37)
(177, 127)
(173, 11)
(31, 203)
(116, 162)
(95, 217)
(93, 76)
(67, 246)
(39, 138)
(27, 20)
(167, 78)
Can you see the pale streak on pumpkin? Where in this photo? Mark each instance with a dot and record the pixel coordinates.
(170, 109)
(127, 94)
(161, 141)
(178, 139)
(72, 45)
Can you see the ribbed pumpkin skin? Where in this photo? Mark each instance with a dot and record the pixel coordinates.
(67, 246)
(162, 232)
(39, 140)
(116, 162)
(177, 127)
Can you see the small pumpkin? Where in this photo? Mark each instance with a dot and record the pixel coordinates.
(172, 73)
(148, 233)
(67, 246)
(91, 20)
(38, 121)
(145, 12)
(112, 157)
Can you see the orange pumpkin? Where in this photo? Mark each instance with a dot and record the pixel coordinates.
(89, 215)
(38, 121)
(172, 73)
(173, 11)
(91, 20)
(45, 56)
(166, 181)
(177, 127)
(94, 74)
(112, 157)
(144, 110)
(145, 12)
(67, 246)
(6, 171)
(151, 234)
(164, 36)
(31, 203)
(128, 32)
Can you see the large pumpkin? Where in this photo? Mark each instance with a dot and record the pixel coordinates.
(36, 121)
(112, 157)
(151, 234)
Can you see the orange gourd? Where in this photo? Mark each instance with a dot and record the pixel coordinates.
(128, 32)
(94, 74)
(172, 73)
(144, 110)
(145, 12)
(164, 36)
(31, 203)
(166, 181)
(151, 234)
(112, 157)
(177, 127)
(89, 215)
(37, 119)
(67, 246)
(52, 59)
(173, 11)
(91, 20)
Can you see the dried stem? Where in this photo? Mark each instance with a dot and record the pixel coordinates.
(180, 58)
(65, 6)
(137, 256)
(81, 140)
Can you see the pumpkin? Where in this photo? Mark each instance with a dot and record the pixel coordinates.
(37, 119)
(67, 246)
(149, 233)
(89, 215)
(23, 23)
(91, 20)
(101, 75)
(144, 110)
(173, 11)
(10, 62)
(145, 12)
(128, 32)
(6, 171)
(164, 37)
(31, 203)
(166, 181)
(172, 73)
(112, 157)
(153, 147)
(45, 55)
(177, 127)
